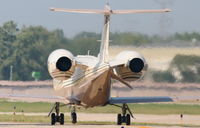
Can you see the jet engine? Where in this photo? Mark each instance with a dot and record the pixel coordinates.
(133, 65)
(61, 64)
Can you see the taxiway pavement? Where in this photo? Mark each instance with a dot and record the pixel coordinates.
(25, 125)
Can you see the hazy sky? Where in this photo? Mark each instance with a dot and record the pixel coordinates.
(185, 15)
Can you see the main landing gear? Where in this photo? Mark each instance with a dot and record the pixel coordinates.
(59, 117)
(73, 115)
(124, 117)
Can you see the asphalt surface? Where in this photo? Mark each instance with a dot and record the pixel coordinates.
(140, 118)
(25, 125)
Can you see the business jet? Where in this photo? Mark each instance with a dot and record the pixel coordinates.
(85, 80)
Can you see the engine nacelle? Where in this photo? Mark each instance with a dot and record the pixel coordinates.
(134, 65)
(61, 64)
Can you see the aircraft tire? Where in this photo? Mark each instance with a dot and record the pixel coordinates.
(128, 119)
(53, 119)
(119, 119)
(74, 117)
(62, 119)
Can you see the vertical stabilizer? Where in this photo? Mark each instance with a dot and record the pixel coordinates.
(103, 55)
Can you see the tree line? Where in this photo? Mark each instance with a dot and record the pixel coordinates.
(26, 49)
(183, 68)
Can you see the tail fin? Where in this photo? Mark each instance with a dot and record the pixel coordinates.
(103, 55)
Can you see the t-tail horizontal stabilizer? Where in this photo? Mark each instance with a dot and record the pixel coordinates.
(109, 12)
(140, 11)
(77, 10)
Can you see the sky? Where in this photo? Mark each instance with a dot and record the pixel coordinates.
(185, 16)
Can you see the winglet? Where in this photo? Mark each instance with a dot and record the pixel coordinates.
(168, 10)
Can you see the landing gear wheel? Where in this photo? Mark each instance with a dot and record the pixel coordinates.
(124, 117)
(119, 119)
(53, 119)
(62, 119)
(128, 119)
(57, 116)
(74, 117)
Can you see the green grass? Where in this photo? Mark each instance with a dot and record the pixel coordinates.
(7, 106)
(153, 108)
(27, 119)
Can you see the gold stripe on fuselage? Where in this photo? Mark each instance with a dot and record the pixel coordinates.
(79, 88)
(79, 77)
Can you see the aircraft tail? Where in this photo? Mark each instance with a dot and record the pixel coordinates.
(108, 12)
(103, 55)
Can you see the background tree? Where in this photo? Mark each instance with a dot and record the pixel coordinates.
(30, 51)
(188, 66)
(28, 48)
(8, 33)
(128, 38)
(163, 76)
(84, 42)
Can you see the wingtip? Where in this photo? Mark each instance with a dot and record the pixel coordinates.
(52, 9)
(168, 10)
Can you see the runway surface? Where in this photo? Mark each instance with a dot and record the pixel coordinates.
(173, 120)
(139, 118)
(24, 125)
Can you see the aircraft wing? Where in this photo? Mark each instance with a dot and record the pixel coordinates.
(33, 98)
(124, 100)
